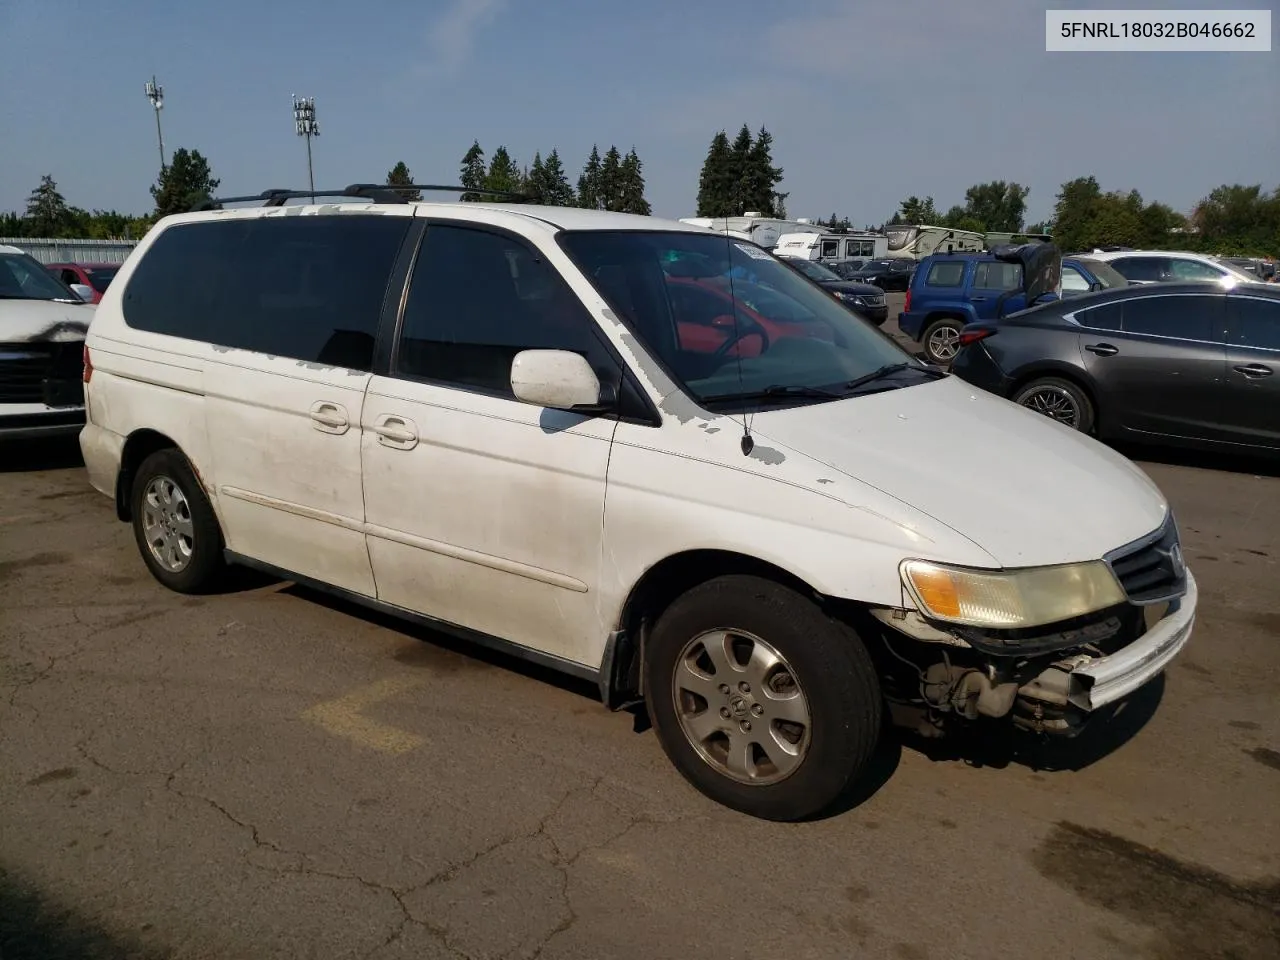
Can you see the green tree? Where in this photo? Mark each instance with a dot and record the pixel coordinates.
(1073, 213)
(715, 184)
(557, 191)
(504, 173)
(763, 177)
(590, 194)
(743, 190)
(47, 212)
(399, 176)
(473, 173)
(183, 183)
(1239, 220)
(996, 206)
(611, 180)
(631, 197)
(915, 210)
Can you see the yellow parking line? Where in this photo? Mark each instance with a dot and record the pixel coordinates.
(342, 717)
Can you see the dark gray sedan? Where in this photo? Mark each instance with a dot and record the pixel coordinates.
(1182, 363)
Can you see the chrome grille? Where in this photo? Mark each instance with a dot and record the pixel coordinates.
(1151, 569)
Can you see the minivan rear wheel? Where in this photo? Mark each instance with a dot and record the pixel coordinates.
(761, 700)
(174, 524)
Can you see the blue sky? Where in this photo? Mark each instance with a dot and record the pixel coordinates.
(867, 102)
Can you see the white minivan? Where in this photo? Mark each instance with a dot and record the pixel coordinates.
(637, 451)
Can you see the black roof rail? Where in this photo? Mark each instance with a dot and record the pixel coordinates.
(377, 192)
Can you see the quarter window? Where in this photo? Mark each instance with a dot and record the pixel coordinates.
(1147, 269)
(305, 287)
(1177, 317)
(997, 275)
(1255, 323)
(476, 300)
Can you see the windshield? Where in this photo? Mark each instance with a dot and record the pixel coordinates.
(1104, 273)
(22, 277)
(100, 277)
(815, 271)
(730, 322)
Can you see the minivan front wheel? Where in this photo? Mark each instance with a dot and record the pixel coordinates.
(760, 699)
(174, 524)
(942, 340)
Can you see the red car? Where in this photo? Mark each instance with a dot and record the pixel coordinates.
(705, 321)
(95, 276)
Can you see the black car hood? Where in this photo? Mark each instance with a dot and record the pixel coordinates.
(853, 287)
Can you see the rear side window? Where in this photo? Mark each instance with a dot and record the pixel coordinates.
(305, 287)
(1193, 270)
(997, 275)
(1106, 316)
(1180, 317)
(1151, 269)
(946, 273)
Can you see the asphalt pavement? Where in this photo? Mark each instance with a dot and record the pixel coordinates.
(268, 773)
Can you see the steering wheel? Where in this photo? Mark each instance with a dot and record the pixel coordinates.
(738, 335)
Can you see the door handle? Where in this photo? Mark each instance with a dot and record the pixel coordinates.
(329, 417)
(1102, 349)
(978, 299)
(395, 431)
(1253, 370)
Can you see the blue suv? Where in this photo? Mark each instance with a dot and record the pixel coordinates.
(953, 289)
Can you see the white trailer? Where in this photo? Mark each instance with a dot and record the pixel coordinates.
(763, 231)
(833, 246)
(915, 241)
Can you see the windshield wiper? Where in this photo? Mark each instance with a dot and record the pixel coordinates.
(776, 392)
(889, 370)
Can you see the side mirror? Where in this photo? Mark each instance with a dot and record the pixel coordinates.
(558, 379)
(1096, 286)
(83, 291)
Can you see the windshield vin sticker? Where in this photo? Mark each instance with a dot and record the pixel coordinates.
(755, 253)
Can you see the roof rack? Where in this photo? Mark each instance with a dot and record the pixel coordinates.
(377, 192)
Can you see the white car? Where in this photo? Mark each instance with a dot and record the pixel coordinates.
(761, 518)
(42, 328)
(1163, 266)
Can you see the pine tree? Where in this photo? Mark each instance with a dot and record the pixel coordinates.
(557, 192)
(763, 176)
(589, 193)
(611, 180)
(47, 211)
(473, 171)
(399, 175)
(715, 184)
(631, 186)
(504, 174)
(740, 165)
(183, 183)
(536, 178)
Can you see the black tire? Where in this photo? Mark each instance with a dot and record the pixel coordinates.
(829, 663)
(204, 564)
(931, 332)
(1073, 408)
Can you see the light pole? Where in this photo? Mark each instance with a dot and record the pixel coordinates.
(304, 120)
(155, 93)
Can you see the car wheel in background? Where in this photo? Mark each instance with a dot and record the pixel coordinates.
(1059, 400)
(941, 340)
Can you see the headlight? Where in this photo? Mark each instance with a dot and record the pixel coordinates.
(1013, 599)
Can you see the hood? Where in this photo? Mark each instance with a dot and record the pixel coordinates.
(27, 321)
(853, 287)
(1025, 489)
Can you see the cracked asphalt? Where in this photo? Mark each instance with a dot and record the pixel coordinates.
(269, 773)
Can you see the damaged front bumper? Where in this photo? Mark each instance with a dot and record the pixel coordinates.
(1084, 683)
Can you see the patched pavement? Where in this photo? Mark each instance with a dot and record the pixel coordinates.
(269, 773)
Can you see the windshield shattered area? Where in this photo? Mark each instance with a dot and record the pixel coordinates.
(732, 324)
(23, 278)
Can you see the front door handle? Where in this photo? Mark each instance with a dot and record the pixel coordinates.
(1253, 370)
(328, 417)
(395, 431)
(1102, 349)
